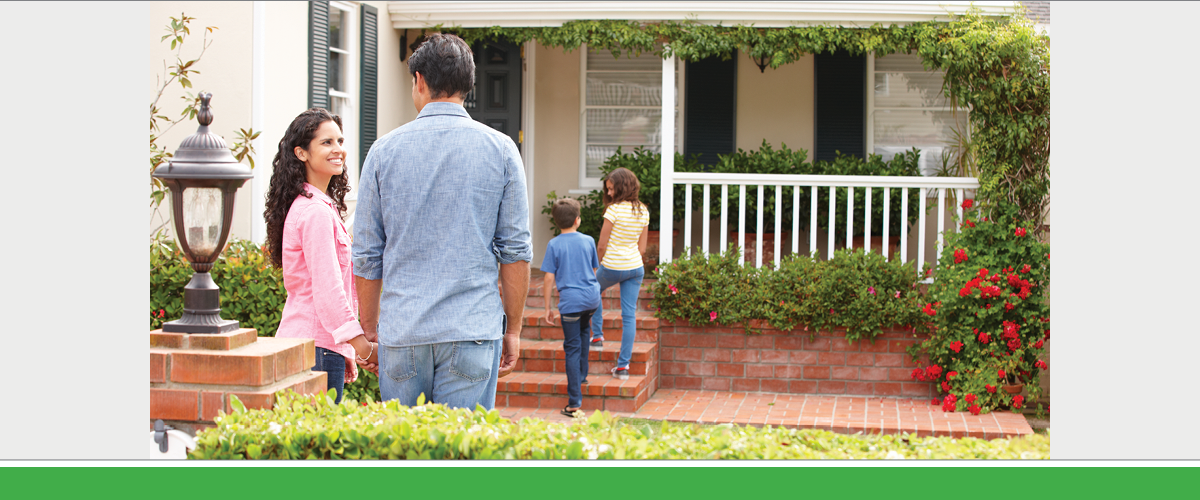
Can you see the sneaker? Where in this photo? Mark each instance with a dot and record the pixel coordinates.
(621, 373)
(597, 343)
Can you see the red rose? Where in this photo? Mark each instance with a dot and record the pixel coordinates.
(970, 398)
(974, 409)
(1008, 306)
(1047, 334)
(1038, 345)
(968, 203)
(945, 386)
(987, 306)
(1000, 373)
(934, 402)
(983, 272)
(948, 408)
(990, 388)
(965, 291)
(918, 374)
(984, 338)
(1008, 269)
(1026, 268)
(968, 223)
(712, 316)
(1014, 344)
(1018, 401)
(950, 375)
(956, 346)
(950, 398)
(1020, 231)
(960, 256)
(1041, 364)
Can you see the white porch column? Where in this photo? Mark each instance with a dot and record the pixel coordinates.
(667, 190)
(258, 92)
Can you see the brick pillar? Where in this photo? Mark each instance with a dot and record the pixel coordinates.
(192, 375)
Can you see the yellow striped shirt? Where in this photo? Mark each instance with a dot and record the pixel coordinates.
(627, 226)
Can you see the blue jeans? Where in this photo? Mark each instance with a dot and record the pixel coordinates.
(456, 374)
(631, 285)
(334, 366)
(576, 334)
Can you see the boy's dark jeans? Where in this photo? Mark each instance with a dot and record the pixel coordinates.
(577, 334)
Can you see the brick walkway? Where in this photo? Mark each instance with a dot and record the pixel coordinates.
(844, 414)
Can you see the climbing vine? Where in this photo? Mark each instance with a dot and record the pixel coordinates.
(998, 67)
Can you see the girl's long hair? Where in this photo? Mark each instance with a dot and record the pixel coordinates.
(625, 188)
(289, 176)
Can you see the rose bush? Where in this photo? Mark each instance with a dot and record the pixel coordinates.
(992, 317)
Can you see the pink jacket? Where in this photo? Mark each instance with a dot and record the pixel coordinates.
(322, 302)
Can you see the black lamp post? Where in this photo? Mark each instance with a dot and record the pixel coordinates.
(203, 177)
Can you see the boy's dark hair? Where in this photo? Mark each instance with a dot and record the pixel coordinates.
(446, 62)
(565, 211)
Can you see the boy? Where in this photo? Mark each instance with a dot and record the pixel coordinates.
(571, 258)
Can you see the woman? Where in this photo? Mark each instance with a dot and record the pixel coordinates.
(308, 240)
(622, 242)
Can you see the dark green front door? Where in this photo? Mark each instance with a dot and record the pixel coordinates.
(496, 100)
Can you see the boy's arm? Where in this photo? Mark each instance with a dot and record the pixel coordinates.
(548, 291)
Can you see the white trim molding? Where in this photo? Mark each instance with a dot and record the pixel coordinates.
(425, 14)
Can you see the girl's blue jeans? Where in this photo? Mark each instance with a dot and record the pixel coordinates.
(631, 285)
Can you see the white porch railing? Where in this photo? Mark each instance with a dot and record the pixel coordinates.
(797, 183)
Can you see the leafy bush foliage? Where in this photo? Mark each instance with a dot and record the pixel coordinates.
(313, 427)
(989, 308)
(647, 166)
(858, 291)
(252, 292)
(591, 210)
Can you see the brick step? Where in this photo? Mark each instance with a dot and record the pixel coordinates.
(611, 297)
(536, 328)
(548, 356)
(549, 390)
(263, 362)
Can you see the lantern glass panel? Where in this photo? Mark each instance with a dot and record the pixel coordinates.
(203, 215)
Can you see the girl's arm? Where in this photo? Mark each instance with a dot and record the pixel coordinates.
(602, 245)
(644, 240)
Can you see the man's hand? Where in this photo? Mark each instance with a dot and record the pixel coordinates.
(510, 354)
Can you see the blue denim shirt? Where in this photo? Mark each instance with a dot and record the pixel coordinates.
(441, 203)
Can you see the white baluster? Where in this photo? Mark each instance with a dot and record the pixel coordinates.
(778, 222)
(887, 211)
(795, 219)
(741, 241)
(758, 236)
(832, 219)
(812, 222)
(687, 219)
(959, 196)
(706, 221)
(904, 225)
(724, 218)
(941, 211)
(849, 216)
(921, 234)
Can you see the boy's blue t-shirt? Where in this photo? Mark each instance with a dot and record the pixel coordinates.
(572, 258)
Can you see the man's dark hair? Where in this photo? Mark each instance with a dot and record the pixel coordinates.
(565, 211)
(447, 64)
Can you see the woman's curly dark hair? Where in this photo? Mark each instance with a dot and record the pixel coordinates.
(289, 176)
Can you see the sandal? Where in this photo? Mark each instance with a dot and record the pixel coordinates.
(572, 413)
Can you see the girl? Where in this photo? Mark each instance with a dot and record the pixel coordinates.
(622, 242)
(307, 239)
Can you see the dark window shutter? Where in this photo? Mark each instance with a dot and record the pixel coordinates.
(368, 78)
(711, 108)
(840, 106)
(318, 54)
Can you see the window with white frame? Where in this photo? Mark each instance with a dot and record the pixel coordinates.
(622, 107)
(907, 109)
(342, 82)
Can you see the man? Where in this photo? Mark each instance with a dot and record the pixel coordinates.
(441, 209)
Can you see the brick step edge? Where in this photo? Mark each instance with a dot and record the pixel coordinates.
(203, 403)
(551, 392)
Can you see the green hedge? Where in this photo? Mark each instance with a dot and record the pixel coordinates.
(305, 427)
(858, 291)
(252, 292)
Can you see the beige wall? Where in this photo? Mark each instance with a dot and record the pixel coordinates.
(556, 150)
(224, 71)
(776, 105)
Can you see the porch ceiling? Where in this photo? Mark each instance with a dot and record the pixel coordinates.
(423, 14)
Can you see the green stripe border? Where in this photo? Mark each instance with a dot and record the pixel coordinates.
(581, 480)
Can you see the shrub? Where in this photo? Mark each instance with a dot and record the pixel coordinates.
(313, 427)
(591, 210)
(989, 308)
(858, 291)
(647, 166)
(252, 292)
